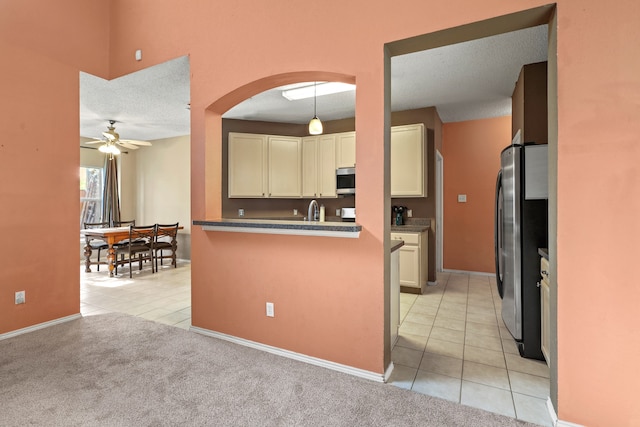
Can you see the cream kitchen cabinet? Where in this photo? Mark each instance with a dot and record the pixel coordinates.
(285, 166)
(413, 259)
(247, 165)
(319, 166)
(407, 161)
(264, 166)
(345, 149)
(545, 314)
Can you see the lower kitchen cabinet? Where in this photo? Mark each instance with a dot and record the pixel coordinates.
(394, 300)
(545, 314)
(413, 260)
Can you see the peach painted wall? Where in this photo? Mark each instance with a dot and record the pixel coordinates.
(231, 44)
(43, 46)
(471, 152)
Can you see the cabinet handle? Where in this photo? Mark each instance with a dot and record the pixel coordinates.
(545, 272)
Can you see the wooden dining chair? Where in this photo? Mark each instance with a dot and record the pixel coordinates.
(165, 240)
(139, 247)
(95, 243)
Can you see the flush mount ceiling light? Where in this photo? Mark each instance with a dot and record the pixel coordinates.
(315, 90)
(315, 125)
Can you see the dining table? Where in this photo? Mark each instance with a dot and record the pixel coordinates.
(111, 236)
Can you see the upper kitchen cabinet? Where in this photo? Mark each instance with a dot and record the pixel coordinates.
(407, 161)
(247, 165)
(285, 166)
(319, 166)
(345, 149)
(529, 104)
(264, 166)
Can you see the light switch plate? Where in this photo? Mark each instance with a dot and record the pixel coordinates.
(462, 198)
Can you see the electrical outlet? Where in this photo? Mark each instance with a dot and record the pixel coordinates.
(337, 212)
(409, 213)
(240, 212)
(270, 310)
(295, 212)
(20, 297)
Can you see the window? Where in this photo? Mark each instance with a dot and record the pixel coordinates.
(90, 195)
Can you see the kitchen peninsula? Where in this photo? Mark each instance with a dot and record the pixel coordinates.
(270, 226)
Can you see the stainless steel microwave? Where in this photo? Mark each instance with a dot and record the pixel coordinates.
(346, 181)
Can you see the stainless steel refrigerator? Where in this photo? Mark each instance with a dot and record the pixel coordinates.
(521, 227)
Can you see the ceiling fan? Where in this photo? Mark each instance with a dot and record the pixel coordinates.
(111, 138)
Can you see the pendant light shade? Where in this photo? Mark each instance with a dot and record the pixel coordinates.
(315, 125)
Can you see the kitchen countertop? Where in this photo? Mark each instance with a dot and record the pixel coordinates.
(544, 252)
(409, 228)
(271, 226)
(412, 225)
(396, 244)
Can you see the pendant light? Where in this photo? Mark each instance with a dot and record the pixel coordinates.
(315, 125)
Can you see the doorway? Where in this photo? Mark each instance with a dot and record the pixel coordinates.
(522, 20)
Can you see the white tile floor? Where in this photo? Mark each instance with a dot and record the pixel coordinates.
(452, 342)
(454, 345)
(163, 297)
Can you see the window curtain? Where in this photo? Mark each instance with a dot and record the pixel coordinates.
(110, 196)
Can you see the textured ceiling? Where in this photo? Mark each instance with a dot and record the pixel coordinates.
(465, 81)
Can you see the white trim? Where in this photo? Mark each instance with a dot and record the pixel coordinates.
(297, 232)
(477, 273)
(296, 356)
(439, 211)
(554, 418)
(387, 373)
(39, 326)
(434, 283)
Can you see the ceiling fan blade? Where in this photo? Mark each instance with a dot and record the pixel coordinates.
(109, 136)
(131, 141)
(97, 141)
(127, 145)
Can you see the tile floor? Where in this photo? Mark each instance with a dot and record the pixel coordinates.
(452, 342)
(163, 297)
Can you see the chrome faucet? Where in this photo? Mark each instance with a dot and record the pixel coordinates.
(313, 207)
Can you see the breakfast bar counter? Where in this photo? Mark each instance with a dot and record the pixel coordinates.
(271, 226)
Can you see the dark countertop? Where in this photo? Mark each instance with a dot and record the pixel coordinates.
(544, 252)
(396, 244)
(412, 225)
(409, 228)
(270, 226)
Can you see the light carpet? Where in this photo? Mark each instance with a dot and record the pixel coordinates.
(120, 370)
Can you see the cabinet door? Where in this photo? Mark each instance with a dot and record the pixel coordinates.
(326, 166)
(247, 165)
(407, 161)
(410, 266)
(285, 166)
(310, 171)
(345, 149)
(545, 316)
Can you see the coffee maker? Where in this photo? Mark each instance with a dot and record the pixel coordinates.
(398, 211)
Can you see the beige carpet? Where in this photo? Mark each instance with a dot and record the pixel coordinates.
(119, 370)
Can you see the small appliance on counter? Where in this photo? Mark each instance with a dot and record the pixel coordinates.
(398, 212)
(348, 214)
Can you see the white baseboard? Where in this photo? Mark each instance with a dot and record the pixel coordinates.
(554, 418)
(39, 326)
(434, 283)
(297, 356)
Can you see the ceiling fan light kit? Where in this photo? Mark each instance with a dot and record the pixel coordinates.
(111, 138)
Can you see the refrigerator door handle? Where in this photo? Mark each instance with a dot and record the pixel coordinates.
(498, 234)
